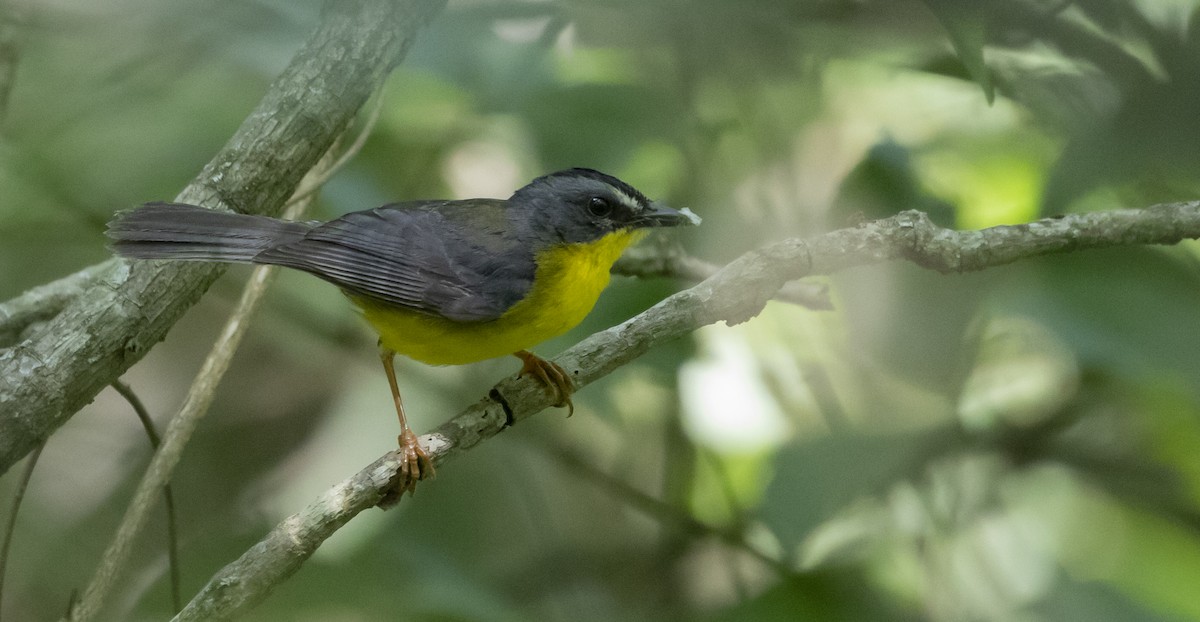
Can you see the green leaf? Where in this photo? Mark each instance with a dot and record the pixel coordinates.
(1116, 308)
(817, 479)
(967, 26)
(817, 596)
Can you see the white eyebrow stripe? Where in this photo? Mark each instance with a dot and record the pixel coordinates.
(629, 201)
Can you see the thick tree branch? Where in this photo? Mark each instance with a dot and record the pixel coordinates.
(20, 317)
(734, 294)
(128, 307)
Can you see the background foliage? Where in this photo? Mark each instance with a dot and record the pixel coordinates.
(1019, 444)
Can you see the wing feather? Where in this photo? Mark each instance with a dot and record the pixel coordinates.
(448, 258)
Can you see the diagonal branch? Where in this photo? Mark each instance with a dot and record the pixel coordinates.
(733, 294)
(126, 308)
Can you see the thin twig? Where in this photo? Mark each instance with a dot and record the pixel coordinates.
(179, 431)
(200, 395)
(168, 496)
(310, 185)
(11, 528)
(664, 512)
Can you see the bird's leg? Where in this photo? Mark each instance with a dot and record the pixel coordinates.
(415, 464)
(556, 379)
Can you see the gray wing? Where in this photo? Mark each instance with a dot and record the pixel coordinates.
(454, 258)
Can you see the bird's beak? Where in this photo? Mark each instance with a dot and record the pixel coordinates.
(659, 215)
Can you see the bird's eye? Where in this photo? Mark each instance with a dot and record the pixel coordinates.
(599, 206)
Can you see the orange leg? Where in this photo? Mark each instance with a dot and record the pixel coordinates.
(415, 464)
(556, 379)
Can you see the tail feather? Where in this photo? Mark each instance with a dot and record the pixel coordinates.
(190, 233)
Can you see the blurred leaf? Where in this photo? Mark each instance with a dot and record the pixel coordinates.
(618, 118)
(1024, 376)
(966, 23)
(759, 38)
(1171, 417)
(884, 183)
(831, 596)
(1149, 144)
(1112, 305)
(919, 325)
(992, 179)
(1091, 601)
(1108, 14)
(816, 479)
(1063, 95)
(1144, 555)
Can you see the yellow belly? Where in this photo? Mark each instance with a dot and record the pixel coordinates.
(568, 282)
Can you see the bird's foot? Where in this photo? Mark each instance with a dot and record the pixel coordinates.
(415, 465)
(550, 374)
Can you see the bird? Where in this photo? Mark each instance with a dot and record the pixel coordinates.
(443, 282)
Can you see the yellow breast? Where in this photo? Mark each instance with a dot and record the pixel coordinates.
(568, 282)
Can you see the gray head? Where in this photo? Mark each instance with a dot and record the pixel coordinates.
(583, 205)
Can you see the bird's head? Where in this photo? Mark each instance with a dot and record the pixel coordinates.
(580, 205)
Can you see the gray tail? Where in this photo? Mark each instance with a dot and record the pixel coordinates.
(187, 232)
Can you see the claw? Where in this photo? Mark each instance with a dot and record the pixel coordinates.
(550, 374)
(415, 465)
